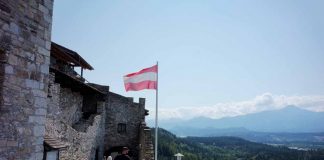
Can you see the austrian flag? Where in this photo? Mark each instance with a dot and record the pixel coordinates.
(144, 79)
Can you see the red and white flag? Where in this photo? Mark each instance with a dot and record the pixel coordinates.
(144, 79)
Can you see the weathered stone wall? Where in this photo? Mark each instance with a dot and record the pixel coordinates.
(25, 41)
(26, 107)
(71, 105)
(64, 120)
(81, 145)
(53, 100)
(148, 148)
(63, 104)
(146, 143)
(123, 110)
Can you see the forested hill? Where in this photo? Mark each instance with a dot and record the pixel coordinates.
(226, 148)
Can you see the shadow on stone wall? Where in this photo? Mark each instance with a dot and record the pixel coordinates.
(83, 124)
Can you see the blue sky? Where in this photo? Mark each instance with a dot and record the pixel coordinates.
(209, 52)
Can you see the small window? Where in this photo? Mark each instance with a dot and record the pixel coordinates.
(50, 153)
(121, 128)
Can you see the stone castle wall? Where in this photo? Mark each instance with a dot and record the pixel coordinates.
(71, 105)
(123, 110)
(65, 122)
(81, 145)
(25, 42)
(32, 104)
(146, 150)
(63, 104)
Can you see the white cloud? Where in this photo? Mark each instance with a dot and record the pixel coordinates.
(263, 102)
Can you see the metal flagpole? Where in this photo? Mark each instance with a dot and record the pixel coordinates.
(156, 111)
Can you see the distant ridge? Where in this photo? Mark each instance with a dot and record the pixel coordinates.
(226, 148)
(289, 119)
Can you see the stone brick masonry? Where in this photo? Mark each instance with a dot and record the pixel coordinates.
(64, 111)
(25, 38)
(33, 104)
(123, 110)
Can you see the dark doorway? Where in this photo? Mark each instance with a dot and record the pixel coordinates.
(97, 154)
(114, 151)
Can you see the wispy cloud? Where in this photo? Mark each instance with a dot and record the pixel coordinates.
(263, 102)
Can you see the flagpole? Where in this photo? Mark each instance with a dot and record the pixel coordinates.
(156, 111)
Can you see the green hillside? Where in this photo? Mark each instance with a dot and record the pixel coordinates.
(226, 148)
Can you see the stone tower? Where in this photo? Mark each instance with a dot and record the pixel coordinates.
(46, 109)
(25, 42)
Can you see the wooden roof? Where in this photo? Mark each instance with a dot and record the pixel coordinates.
(68, 56)
(68, 81)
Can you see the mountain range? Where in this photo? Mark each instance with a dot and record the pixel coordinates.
(290, 119)
(290, 126)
